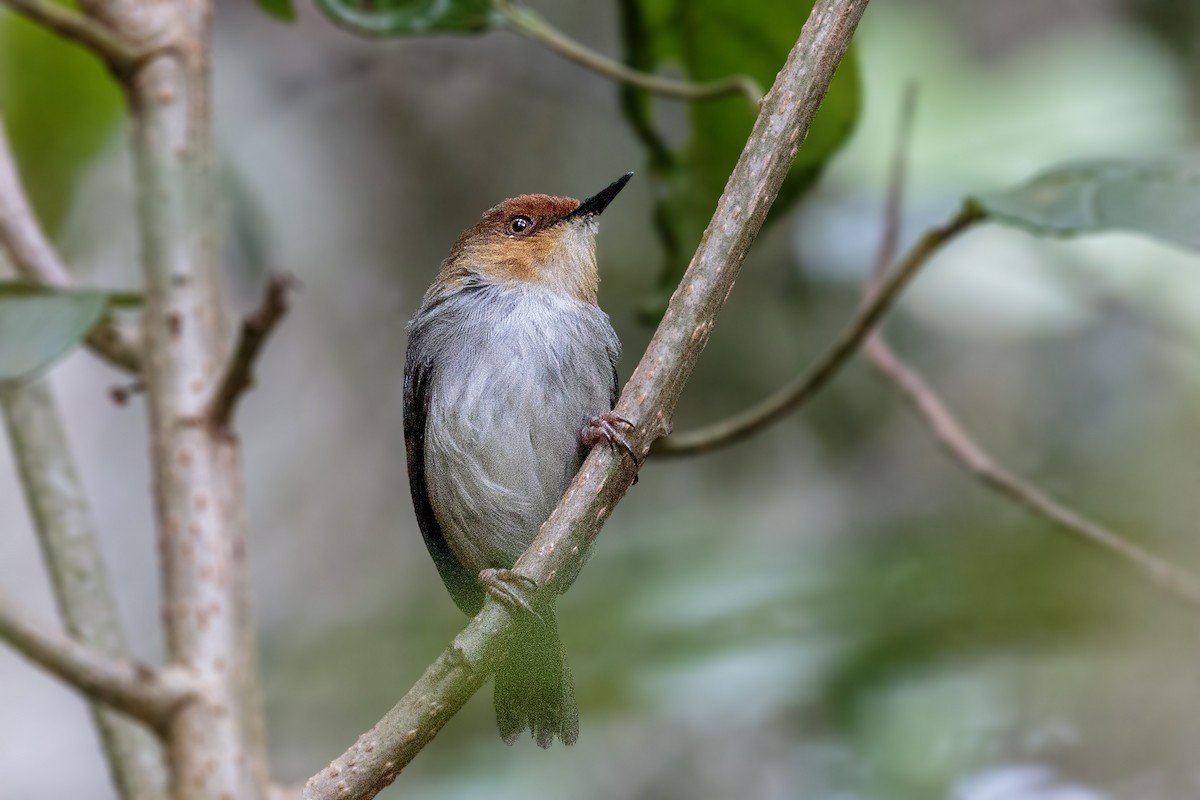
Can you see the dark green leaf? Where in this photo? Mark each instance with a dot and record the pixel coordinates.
(280, 9)
(60, 106)
(1156, 197)
(39, 324)
(409, 17)
(710, 40)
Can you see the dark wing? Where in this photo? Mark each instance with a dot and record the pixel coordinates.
(615, 393)
(463, 586)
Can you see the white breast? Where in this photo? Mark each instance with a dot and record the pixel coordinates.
(516, 371)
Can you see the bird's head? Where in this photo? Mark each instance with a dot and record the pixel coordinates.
(534, 238)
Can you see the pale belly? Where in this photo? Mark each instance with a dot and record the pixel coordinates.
(502, 437)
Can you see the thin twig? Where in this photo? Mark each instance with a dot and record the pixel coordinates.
(950, 434)
(877, 303)
(77, 27)
(147, 695)
(529, 24)
(955, 440)
(32, 255)
(649, 399)
(256, 329)
(66, 533)
(889, 240)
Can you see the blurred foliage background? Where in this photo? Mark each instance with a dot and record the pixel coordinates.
(830, 610)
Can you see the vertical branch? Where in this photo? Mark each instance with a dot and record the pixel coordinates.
(68, 542)
(216, 745)
(160, 50)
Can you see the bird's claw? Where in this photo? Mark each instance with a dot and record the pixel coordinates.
(604, 429)
(511, 588)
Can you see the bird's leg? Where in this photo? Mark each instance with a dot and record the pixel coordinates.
(606, 429)
(511, 588)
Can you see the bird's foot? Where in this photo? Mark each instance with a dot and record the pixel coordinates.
(606, 429)
(512, 589)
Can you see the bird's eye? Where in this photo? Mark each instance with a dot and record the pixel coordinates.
(519, 224)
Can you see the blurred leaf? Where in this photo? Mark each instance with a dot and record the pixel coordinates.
(38, 324)
(1159, 198)
(408, 17)
(279, 9)
(949, 589)
(708, 40)
(60, 106)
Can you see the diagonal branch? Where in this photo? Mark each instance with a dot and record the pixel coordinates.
(71, 552)
(649, 399)
(955, 440)
(239, 375)
(878, 302)
(75, 26)
(531, 25)
(142, 693)
(32, 255)
(883, 294)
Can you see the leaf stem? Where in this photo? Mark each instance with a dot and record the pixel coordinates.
(529, 24)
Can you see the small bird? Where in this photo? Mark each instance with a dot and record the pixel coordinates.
(510, 379)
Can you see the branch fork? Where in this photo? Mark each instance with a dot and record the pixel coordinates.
(148, 695)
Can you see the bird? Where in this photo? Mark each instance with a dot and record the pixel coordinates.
(510, 379)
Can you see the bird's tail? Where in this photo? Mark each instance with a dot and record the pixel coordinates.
(533, 685)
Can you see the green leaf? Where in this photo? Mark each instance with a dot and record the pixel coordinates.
(60, 107)
(279, 9)
(408, 17)
(710, 40)
(39, 324)
(1155, 197)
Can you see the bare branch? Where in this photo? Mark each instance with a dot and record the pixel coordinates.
(893, 204)
(649, 399)
(529, 24)
(145, 694)
(32, 255)
(950, 434)
(70, 549)
(878, 302)
(75, 26)
(256, 329)
(954, 439)
(217, 745)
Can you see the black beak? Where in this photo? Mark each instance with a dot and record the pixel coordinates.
(595, 205)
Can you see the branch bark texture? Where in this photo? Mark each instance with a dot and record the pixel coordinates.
(649, 400)
(71, 551)
(216, 744)
(159, 50)
(130, 688)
